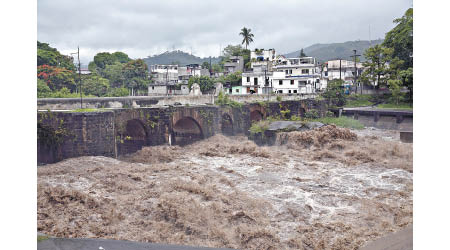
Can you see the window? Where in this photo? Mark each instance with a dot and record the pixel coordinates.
(292, 82)
(295, 91)
(302, 83)
(326, 73)
(280, 82)
(237, 90)
(305, 71)
(255, 81)
(153, 87)
(287, 71)
(248, 78)
(290, 71)
(289, 91)
(280, 91)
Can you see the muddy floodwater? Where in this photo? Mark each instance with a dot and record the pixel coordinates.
(330, 188)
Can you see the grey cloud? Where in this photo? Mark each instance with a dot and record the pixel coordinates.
(142, 28)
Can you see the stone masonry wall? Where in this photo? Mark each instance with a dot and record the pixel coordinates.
(115, 132)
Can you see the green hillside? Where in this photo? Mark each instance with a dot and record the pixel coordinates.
(325, 52)
(179, 57)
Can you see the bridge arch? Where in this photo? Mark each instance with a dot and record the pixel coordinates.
(227, 124)
(256, 115)
(134, 137)
(186, 130)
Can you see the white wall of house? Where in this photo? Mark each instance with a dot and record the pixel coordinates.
(157, 90)
(268, 55)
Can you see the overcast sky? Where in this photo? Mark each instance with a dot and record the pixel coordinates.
(142, 28)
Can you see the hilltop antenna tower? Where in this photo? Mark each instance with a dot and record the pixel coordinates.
(370, 40)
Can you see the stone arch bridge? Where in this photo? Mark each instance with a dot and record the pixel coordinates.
(116, 132)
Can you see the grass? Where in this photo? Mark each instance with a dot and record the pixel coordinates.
(42, 238)
(358, 101)
(342, 121)
(259, 127)
(87, 110)
(395, 106)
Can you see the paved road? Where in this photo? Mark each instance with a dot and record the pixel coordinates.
(100, 244)
(401, 240)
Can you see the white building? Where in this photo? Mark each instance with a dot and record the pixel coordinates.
(257, 81)
(262, 59)
(296, 75)
(341, 69)
(164, 73)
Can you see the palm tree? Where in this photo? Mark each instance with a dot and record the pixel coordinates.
(246, 33)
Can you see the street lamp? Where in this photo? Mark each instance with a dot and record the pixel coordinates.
(79, 75)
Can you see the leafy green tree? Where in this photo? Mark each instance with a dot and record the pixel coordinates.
(377, 66)
(400, 39)
(116, 92)
(235, 50)
(302, 54)
(334, 93)
(205, 65)
(217, 68)
(121, 57)
(93, 67)
(406, 76)
(247, 36)
(395, 88)
(114, 73)
(135, 73)
(104, 58)
(205, 82)
(234, 78)
(95, 85)
(43, 90)
(56, 78)
(47, 55)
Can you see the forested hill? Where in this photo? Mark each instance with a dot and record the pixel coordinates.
(325, 52)
(177, 57)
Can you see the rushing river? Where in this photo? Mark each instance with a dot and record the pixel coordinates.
(330, 189)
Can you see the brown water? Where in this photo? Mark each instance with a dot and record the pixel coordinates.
(325, 189)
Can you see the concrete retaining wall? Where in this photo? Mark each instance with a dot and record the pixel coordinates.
(383, 119)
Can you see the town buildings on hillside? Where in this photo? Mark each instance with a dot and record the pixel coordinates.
(271, 73)
(268, 73)
(173, 79)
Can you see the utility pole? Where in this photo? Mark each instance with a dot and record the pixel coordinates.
(79, 76)
(356, 71)
(340, 69)
(266, 85)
